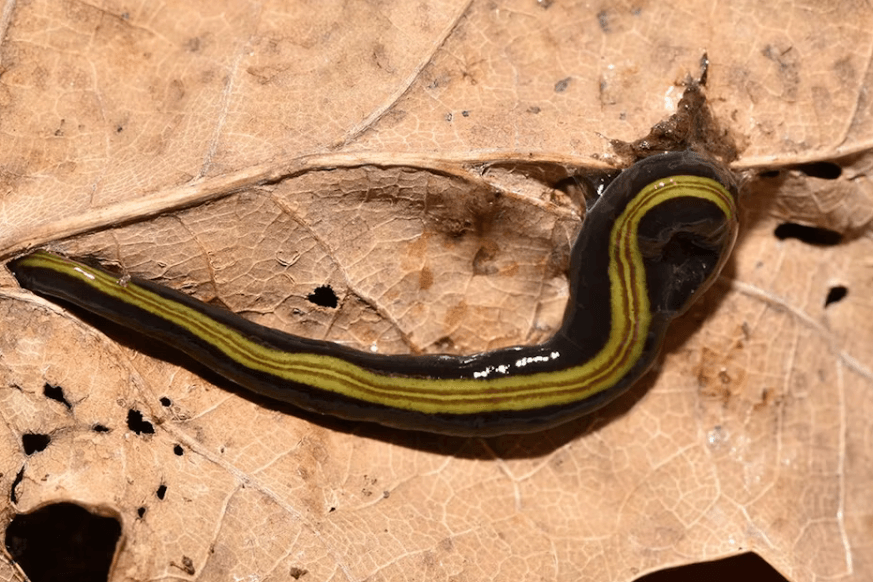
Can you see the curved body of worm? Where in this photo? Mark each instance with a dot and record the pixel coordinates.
(650, 245)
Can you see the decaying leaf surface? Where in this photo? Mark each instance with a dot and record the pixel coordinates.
(404, 154)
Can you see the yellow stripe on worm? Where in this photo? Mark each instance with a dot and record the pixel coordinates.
(653, 242)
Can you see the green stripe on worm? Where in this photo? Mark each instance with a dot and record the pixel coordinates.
(651, 244)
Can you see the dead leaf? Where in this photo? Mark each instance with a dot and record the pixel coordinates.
(405, 154)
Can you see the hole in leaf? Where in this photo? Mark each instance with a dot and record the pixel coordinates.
(835, 294)
(823, 170)
(13, 496)
(136, 423)
(811, 235)
(141, 511)
(34, 442)
(323, 296)
(99, 428)
(178, 450)
(161, 492)
(63, 541)
(166, 401)
(55, 393)
(749, 566)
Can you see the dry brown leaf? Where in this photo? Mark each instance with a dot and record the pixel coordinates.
(403, 153)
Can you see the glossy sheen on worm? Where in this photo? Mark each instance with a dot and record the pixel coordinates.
(650, 245)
